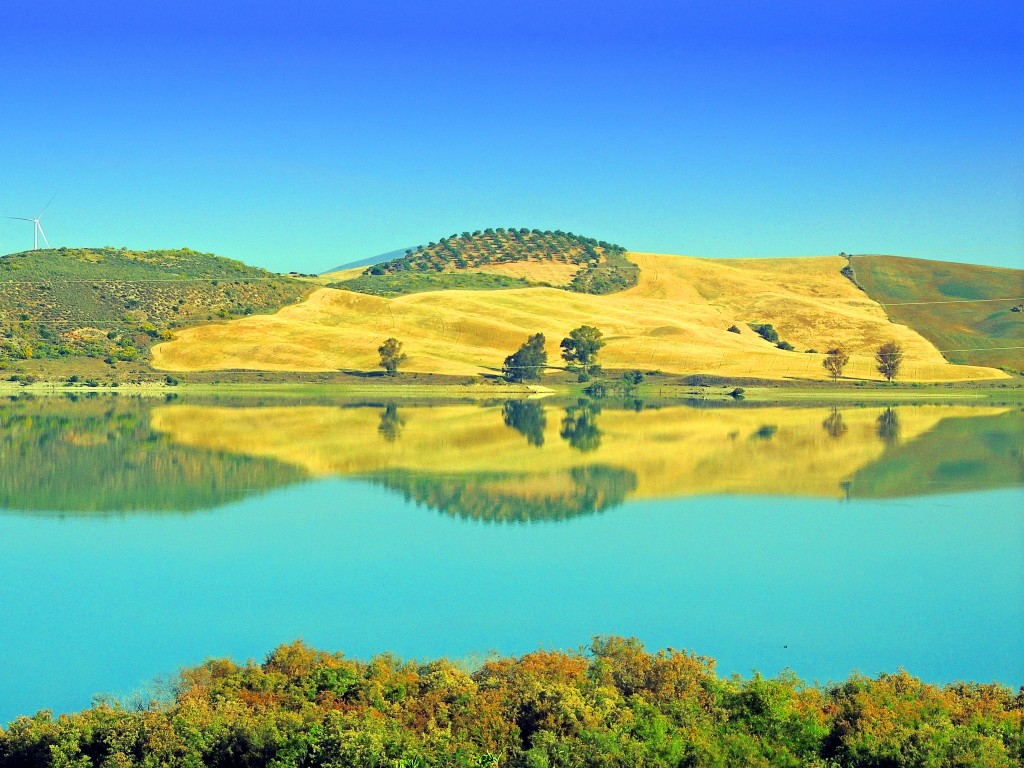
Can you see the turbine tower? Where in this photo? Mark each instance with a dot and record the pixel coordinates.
(37, 227)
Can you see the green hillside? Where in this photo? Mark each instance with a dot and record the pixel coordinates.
(971, 313)
(481, 259)
(112, 303)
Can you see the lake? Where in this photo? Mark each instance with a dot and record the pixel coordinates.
(137, 537)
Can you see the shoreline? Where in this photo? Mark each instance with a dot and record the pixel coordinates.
(660, 389)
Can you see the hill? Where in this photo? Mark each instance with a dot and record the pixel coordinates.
(112, 303)
(677, 318)
(502, 258)
(967, 311)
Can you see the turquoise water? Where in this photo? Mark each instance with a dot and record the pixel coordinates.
(104, 603)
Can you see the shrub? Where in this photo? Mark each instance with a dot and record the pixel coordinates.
(765, 331)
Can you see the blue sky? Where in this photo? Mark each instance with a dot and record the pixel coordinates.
(300, 135)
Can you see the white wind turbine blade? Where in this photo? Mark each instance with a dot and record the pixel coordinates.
(40, 228)
(18, 218)
(44, 209)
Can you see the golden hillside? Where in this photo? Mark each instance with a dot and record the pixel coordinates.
(673, 452)
(675, 319)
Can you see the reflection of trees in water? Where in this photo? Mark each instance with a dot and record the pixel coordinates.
(391, 423)
(526, 417)
(579, 426)
(888, 426)
(500, 498)
(834, 424)
(99, 455)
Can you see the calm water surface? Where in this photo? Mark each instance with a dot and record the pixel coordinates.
(135, 539)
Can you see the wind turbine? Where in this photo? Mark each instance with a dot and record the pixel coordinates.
(37, 227)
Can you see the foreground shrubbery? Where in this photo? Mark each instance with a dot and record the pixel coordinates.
(616, 705)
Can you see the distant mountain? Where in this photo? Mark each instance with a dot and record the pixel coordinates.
(370, 261)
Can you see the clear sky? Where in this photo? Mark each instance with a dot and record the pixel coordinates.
(303, 134)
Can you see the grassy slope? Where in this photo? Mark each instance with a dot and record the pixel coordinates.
(675, 319)
(959, 322)
(434, 454)
(111, 302)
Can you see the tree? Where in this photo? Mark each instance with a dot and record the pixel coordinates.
(391, 356)
(835, 361)
(889, 357)
(527, 362)
(581, 346)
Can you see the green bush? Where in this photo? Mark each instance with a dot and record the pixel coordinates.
(765, 331)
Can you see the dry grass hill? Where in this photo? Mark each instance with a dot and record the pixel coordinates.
(675, 319)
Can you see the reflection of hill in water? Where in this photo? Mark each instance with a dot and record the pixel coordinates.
(514, 498)
(957, 455)
(492, 462)
(100, 455)
(464, 454)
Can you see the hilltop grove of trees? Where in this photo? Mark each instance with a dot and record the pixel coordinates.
(613, 705)
(450, 263)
